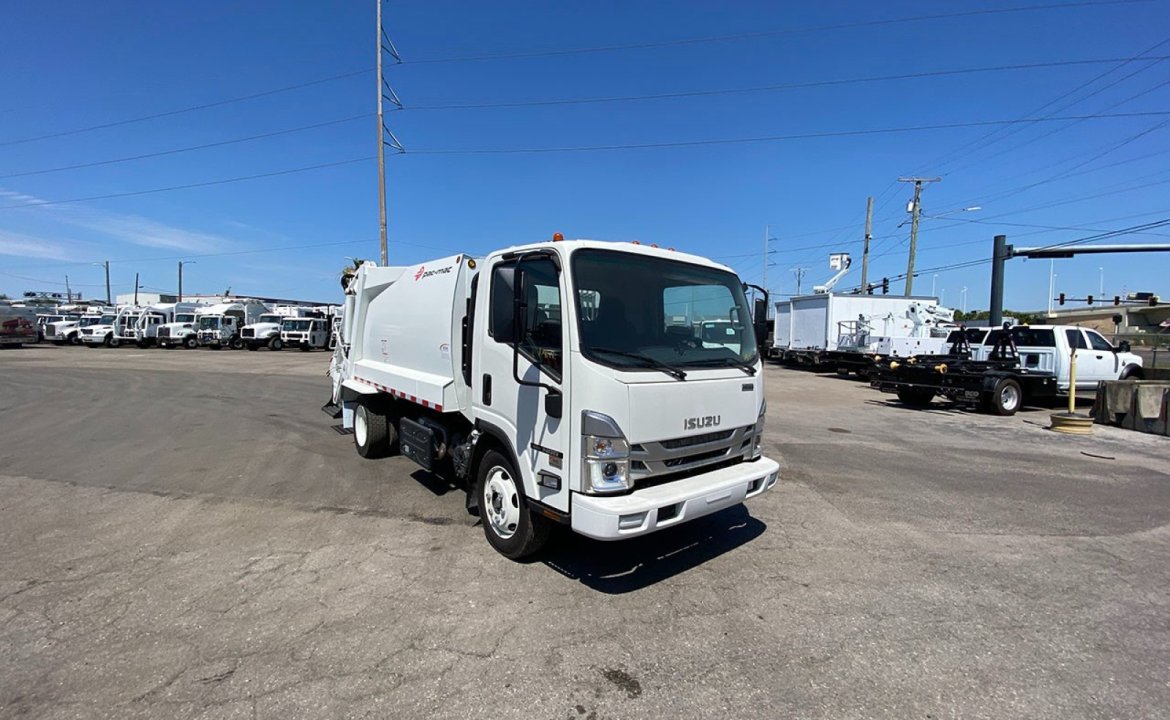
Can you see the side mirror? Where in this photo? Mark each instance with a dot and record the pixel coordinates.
(554, 404)
(1123, 346)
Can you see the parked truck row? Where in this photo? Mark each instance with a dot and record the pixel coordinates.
(237, 324)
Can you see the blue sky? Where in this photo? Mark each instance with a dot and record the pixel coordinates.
(72, 65)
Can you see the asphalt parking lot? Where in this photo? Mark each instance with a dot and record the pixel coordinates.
(186, 536)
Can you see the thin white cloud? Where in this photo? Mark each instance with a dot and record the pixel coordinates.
(21, 245)
(148, 233)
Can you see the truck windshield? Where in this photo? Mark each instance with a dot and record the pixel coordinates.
(296, 325)
(106, 320)
(270, 319)
(185, 318)
(666, 311)
(209, 322)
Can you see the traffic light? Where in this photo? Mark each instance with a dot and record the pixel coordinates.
(1060, 299)
(885, 286)
(1089, 300)
(1116, 300)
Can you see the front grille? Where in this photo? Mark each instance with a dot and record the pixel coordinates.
(164, 332)
(86, 331)
(691, 459)
(676, 443)
(248, 333)
(685, 456)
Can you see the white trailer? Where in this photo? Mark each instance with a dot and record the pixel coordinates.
(810, 326)
(597, 412)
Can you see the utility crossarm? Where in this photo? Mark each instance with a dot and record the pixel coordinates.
(1069, 251)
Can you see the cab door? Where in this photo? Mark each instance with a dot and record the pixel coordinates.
(1101, 357)
(518, 410)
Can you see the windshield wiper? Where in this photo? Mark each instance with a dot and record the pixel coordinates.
(650, 362)
(725, 362)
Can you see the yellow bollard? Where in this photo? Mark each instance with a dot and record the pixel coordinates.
(1070, 422)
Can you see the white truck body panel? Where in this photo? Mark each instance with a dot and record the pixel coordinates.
(1094, 362)
(814, 322)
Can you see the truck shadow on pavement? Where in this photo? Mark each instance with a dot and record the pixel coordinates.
(948, 408)
(634, 564)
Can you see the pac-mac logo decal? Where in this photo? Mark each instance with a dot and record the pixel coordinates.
(423, 273)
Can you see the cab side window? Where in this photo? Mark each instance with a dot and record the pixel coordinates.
(1098, 342)
(1076, 339)
(544, 342)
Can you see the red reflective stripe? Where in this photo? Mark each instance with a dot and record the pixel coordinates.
(401, 394)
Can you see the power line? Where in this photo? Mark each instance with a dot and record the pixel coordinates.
(777, 138)
(209, 183)
(766, 88)
(191, 108)
(754, 35)
(188, 148)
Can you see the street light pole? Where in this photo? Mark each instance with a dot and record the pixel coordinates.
(181, 264)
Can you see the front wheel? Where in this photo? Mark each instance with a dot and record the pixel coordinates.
(236, 343)
(74, 339)
(190, 343)
(507, 523)
(112, 341)
(276, 344)
(1007, 397)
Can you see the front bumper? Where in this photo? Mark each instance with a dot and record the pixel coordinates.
(93, 339)
(661, 506)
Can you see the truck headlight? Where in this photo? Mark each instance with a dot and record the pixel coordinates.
(607, 464)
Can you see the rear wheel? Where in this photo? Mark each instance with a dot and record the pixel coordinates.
(373, 433)
(276, 344)
(916, 397)
(507, 523)
(1007, 397)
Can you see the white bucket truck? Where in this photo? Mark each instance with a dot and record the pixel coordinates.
(219, 325)
(545, 377)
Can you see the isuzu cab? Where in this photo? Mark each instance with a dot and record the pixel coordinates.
(556, 382)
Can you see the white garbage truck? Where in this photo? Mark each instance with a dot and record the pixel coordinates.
(219, 325)
(307, 333)
(266, 331)
(554, 381)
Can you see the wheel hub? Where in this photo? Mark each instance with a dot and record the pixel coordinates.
(502, 503)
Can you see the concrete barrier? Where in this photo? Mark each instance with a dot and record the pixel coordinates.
(1142, 405)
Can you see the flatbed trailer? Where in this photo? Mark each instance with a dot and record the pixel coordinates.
(999, 384)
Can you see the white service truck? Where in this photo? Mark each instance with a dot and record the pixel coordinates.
(219, 325)
(68, 331)
(547, 378)
(182, 331)
(101, 333)
(1049, 348)
(266, 331)
(307, 333)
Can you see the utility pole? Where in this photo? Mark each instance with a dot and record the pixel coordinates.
(108, 301)
(799, 273)
(381, 147)
(136, 289)
(68, 292)
(181, 264)
(916, 212)
(865, 248)
(768, 239)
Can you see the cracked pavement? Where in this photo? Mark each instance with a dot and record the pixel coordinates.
(185, 536)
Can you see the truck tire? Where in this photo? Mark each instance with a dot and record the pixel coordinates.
(74, 339)
(112, 341)
(236, 343)
(190, 342)
(508, 525)
(276, 344)
(253, 346)
(143, 344)
(373, 433)
(1007, 397)
(916, 397)
(306, 347)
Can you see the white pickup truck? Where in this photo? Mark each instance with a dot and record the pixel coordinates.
(1047, 348)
